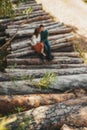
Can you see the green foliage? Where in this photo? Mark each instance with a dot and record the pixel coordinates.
(28, 11)
(3, 125)
(25, 123)
(19, 109)
(7, 7)
(46, 81)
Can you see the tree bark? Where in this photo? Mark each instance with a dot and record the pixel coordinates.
(28, 33)
(31, 28)
(31, 53)
(28, 51)
(53, 116)
(39, 18)
(36, 61)
(58, 39)
(34, 6)
(19, 17)
(61, 84)
(46, 23)
(9, 104)
(51, 66)
(66, 127)
(38, 73)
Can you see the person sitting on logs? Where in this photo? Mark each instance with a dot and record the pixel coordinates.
(44, 38)
(37, 45)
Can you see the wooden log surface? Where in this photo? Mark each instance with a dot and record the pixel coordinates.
(66, 127)
(36, 61)
(28, 51)
(11, 103)
(34, 6)
(32, 53)
(46, 21)
(17, 73)
(27, 43)
(22, 17)
(55, 46)
(39, 18)
(54, 31)
(53, 116)
(22, 74)
(33, 25)
(62, 83)
(50, 66)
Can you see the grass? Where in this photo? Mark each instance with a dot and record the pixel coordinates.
(5, 123)
(46, 81)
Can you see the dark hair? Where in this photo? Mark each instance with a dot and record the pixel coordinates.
(36, 32)
(41, 26)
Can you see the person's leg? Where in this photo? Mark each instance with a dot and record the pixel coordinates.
(42, 49)
(49, 56)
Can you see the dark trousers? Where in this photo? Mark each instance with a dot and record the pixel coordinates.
(47, 49)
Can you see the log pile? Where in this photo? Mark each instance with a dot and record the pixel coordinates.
(60, 106)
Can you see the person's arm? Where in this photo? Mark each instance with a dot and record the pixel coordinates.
(33, 42)
(46, 34)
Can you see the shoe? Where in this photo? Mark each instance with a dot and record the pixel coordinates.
(50, 58)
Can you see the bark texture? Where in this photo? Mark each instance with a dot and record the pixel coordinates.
(53, 116)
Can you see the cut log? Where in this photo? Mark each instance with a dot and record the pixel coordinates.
(62, 45)
(51, 66)
(21, 44)
(16, 18)
(9, 104)
(66, 127)
(33, 25)
(36, 61)
(30, 1)
(60, 31)
(28, 51)
(69, 54)
(31, 30)
(38, 73)
(68, 49)
(26, 43)
(30, 27)
(25, 52)
(26, 6)
(20, 87)
(52, 116)
(39, 18)
(28, 33)
(34, 6)
(62, 83)
(20, 12)
(63, 40)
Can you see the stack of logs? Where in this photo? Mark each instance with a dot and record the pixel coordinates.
(63, 105)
